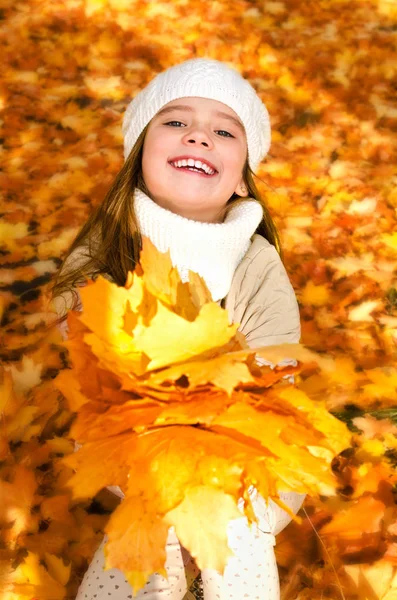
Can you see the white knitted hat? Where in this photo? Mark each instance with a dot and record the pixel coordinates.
(204, 78)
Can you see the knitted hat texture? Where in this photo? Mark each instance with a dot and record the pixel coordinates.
(203, 78)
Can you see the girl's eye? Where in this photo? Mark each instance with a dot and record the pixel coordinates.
(228, 134)
(170, 123)
(219, 130)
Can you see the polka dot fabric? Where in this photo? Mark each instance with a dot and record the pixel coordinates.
(112, 585)
(251, 574)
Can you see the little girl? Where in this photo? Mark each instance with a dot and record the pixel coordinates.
(192, 141)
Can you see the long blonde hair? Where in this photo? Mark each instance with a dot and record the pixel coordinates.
(109, 241)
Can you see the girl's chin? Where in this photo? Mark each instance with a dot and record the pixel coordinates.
(188, 201)
(193, 200)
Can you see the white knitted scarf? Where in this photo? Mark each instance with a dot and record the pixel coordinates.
(213, 250)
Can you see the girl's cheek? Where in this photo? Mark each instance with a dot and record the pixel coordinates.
(235, 163)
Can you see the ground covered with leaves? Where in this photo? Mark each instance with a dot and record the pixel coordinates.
(327, 72)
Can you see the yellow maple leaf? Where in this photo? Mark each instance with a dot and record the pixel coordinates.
(70, 388)
(206, 536)
(337, 435)
(157, 332)
(361, 516)
(368, 477)
(163, 468)
(10, 232)
(163, 281)
(99, 464)
(390, 239)
(96, 421)
(16, 411)
(199, 408)
(31, 580)
(169, 338)
(136, 542)
(17, 497)
(57, 568)
(384, 384)
(267, 429)
(170, 459)
(374, 580)
(106, 298)
(314, 295)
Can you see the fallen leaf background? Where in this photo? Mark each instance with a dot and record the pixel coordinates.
(327, 73)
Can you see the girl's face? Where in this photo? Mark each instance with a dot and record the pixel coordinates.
(198, 129)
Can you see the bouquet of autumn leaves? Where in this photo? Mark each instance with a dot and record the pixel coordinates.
(172, 406)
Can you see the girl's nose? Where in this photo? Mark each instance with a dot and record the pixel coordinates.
(198, 137)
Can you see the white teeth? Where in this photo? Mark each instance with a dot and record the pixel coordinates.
(190, 162)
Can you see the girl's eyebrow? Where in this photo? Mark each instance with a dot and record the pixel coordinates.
(185, 107)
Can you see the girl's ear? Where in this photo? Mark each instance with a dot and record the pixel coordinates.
(241, 189)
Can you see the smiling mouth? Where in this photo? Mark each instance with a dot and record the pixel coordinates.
(193, 170)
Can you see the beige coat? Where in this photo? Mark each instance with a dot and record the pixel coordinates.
(261, 298)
